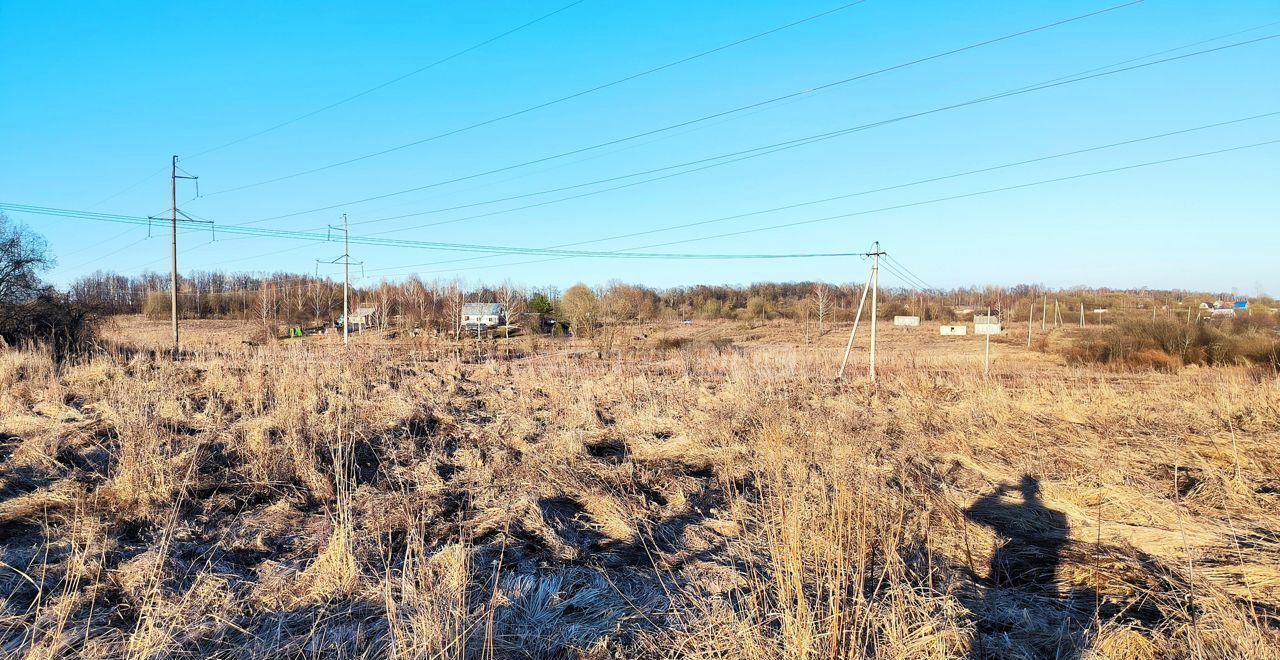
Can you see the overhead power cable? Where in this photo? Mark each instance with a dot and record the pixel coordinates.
(883, 209)
(627, 253)
(901, 277)
(755, 152)
(704, 118)
(978, 193)
(917, 182)
(914, 277)
(631, 253)
(546, 104)
(387, 83)
(430, 245)
(726, 159)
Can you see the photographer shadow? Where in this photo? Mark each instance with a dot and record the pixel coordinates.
(1021, 597)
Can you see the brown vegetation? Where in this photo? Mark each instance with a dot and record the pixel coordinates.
(1167, 345)
(293, 500)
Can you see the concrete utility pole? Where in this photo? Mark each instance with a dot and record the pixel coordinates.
(173, 244)
(1031, 315)
(173, 250)
(856, 318)
(1044, 309)
(875, 287)
(873, 283)
(986, 359)
(346, 277)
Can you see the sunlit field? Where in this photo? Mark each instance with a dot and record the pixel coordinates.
(707, 490)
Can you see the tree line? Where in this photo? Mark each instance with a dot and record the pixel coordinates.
(288, 298)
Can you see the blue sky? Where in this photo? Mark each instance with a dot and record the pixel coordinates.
(98, 95)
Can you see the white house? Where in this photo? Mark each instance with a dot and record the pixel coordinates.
(480, 316)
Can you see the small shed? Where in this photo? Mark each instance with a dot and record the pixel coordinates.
(908, 321)
(986, 324)
(364, 316)
(953, 330)
(482, 316)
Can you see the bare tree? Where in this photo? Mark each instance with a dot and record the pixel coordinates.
(23, 256)
(296, 298)
(268, 305)
(453, 299)
(320, 295)
(822, 304)
(385, 295)
(512, 298)
(416, 298)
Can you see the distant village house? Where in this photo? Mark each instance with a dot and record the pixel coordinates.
(483, 316)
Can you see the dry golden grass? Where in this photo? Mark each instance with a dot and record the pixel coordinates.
(726, 498)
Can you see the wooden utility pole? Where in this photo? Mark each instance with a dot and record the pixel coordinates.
(1044, 309)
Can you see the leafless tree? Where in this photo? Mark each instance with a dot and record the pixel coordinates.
(453, 299)
(416, 298)
(268, 305)
(512, 298)
(320, 295)
(822, 304)
(23, 256)
(388, 296)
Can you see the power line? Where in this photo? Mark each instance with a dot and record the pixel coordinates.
(894, 207)
(908, 271)
(388, 83)
(546, 104)
(899, 186)
(758, 104)
(979, 193)
(898, 274)
(1058, 81)
(726, 159)
(429, 245)
(629, 253)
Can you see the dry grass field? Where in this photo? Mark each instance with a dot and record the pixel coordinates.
(704, 491)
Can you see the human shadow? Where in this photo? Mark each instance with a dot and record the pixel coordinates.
(1033, 537)
(1021, 589)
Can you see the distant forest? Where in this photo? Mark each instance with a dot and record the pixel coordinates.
(291, 298)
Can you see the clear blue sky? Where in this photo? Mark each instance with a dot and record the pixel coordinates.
(98, 95)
